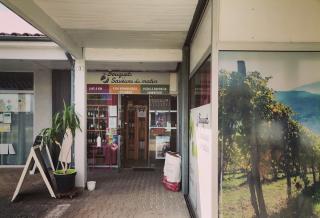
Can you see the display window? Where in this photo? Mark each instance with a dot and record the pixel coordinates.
(102, 129)
(16, 117)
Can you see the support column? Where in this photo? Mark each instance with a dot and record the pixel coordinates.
(216, 183)
(184, 117)
(80, 101)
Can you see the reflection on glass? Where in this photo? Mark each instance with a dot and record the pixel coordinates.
(16, 128)
(163, 124)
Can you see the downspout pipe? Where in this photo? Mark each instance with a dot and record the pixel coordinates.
(72, 64)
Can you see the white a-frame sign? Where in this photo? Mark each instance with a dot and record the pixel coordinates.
(35, 158)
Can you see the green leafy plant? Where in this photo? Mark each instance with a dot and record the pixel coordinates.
(62, 121)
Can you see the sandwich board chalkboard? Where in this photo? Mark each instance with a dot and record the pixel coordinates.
(35, 158)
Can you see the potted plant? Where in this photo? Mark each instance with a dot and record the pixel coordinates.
(62, 133)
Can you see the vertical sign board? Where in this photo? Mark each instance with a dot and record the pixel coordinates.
(200, 172)
(36, 158)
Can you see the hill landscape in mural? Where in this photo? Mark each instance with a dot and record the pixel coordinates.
(269, 142)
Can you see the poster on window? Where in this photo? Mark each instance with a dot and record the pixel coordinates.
(269, 133)
(5, 127)
(200, 151)
(162, 146)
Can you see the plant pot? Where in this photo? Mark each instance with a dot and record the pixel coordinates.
(91, 185)
(65, 182)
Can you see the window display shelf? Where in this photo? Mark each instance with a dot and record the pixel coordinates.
(162, 125)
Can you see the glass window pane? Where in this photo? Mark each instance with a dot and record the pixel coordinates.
(16, 128)
(16, 81)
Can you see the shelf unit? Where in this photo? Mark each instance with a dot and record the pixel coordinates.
(98, 118)
(162, 124)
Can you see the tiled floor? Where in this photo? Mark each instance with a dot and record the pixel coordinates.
(125, 194)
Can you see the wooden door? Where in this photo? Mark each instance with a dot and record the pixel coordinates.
(131, 134)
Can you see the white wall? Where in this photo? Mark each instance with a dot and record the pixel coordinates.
(202, 39)
(269, 21)
(31, 51)
(43, 100)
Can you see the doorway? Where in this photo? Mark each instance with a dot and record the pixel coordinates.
(135, 130)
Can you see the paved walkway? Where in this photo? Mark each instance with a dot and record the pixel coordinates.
(125, 194)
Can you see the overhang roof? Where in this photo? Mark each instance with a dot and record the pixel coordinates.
(74, 24)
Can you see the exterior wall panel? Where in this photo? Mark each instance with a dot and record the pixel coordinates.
(202, 40)
(269, 21)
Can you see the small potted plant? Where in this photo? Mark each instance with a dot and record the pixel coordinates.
(62, 133)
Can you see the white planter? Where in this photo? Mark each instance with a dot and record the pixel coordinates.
(91, 185)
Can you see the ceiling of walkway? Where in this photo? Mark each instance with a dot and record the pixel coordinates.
(122, 23)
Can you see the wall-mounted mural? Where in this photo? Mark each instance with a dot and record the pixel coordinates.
(269, 134)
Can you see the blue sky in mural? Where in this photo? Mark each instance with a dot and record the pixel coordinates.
(295, 78)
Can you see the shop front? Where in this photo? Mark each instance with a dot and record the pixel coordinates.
(131, 118)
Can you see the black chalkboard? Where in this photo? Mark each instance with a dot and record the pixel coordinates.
(43, 165)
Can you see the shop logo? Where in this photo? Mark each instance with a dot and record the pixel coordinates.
(124, 77)
(203, 120)
(104, 78)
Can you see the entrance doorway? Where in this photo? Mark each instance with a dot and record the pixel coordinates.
(135, 130)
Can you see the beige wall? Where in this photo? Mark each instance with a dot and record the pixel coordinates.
(269, 21)
(202, 39)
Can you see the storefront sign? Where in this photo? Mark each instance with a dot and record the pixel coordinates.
(128, 89)
(128, 78)
(124, 89)
(97, 88)
(128, 82)
(155, 89)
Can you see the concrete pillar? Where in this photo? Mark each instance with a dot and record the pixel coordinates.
(80, 101)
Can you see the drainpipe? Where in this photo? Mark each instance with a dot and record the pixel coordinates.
(72, 63)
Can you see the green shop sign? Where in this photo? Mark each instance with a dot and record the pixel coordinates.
(155, 89)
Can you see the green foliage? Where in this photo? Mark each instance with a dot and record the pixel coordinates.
(67, 119)
(62, 172)
(257, 133)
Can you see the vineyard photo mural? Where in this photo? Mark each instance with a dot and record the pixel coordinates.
(269, 134)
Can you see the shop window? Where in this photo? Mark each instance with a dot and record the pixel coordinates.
(200, 86)
(16, 117)
(16, 81)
